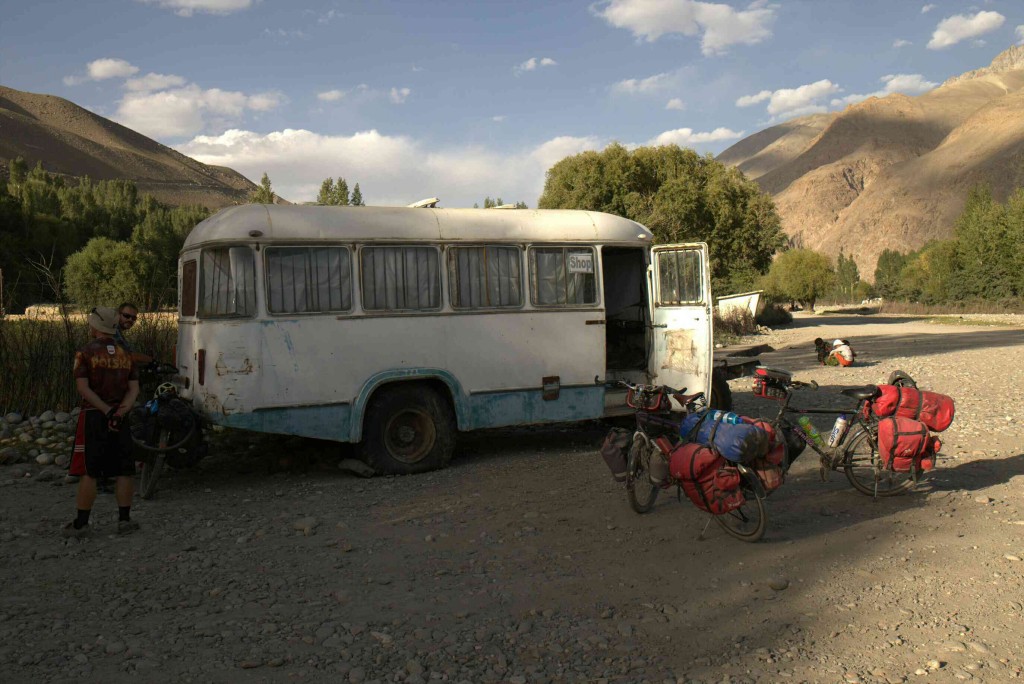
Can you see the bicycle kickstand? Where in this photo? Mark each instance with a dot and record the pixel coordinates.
(700, 537)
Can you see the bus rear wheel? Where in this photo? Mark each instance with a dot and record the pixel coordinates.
(408, 430)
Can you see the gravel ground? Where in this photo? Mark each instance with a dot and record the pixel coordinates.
(523, 562)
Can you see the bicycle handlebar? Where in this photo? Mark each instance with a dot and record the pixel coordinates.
(797, 384)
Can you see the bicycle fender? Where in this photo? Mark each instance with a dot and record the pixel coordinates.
(752, 476)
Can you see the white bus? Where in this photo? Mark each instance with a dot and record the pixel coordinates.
(398, 327)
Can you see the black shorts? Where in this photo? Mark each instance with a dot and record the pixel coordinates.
(107, 454)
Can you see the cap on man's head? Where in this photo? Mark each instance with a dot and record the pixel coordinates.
(103, 318)
(837, 343)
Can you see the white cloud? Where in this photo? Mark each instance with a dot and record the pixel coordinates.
(532, 64)
(330, 95)
(676, 104)
(908, 84)
(686, 136)
(718, 24)
(151, 82)
(390, 170)
(189, 110)
(927, 8)
(1020, 34)
(792, 102)
(899, 42)
(284, 37)
(329, 16)
(186, 8)
(960, 27)
(748, 100)
(398, 95)
(102, 69)
(658, 83)
(498, 119)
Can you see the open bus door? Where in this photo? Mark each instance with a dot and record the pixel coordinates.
(680, 297)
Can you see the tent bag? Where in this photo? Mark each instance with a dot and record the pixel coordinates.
(738, 443)
(710, 482)
(933, 409)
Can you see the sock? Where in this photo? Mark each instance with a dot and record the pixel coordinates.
(124, 513)
(82, 520)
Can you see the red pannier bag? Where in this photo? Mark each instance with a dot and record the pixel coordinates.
(710, 482)
(933, 409)
(905, 445)
(769, 468)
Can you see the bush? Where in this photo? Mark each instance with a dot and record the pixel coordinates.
(774, 315)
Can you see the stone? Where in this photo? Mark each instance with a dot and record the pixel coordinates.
(979, 647)
(46, 416)
(13, 418)
(45, 458)
(983, 499)
(356, 467)
(1011, 557)
(307, 526)
(778, 583)
(62, 417)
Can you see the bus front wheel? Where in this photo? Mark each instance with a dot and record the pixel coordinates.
(408, 430)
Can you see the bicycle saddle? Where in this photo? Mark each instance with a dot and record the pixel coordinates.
(861, 393)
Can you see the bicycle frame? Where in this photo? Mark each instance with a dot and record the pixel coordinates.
(829, 457)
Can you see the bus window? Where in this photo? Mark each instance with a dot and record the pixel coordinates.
(680, 277)
(400, 278)
(485, 277)
(228, 282)
(308, 279)
(562, 276)
(188, 288)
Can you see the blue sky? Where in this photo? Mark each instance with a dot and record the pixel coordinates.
(463, 100)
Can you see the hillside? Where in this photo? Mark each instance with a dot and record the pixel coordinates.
(73, 141)
(892, 173)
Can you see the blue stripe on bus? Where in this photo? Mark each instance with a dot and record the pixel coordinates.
(488, 410)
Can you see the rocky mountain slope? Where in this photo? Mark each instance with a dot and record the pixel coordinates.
(893, 172)
(73, 141)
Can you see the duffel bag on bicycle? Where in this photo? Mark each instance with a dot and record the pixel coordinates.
(933, 409)
(905, 445)
(615, 451)
(710, 482)
(739, 442)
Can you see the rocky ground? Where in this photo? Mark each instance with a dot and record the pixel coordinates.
(523, 562)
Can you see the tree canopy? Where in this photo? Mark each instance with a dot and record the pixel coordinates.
(264, 193)
(800, 275)
(681, 197)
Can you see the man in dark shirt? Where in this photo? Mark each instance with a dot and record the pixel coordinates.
(127, 314)
(108, 381)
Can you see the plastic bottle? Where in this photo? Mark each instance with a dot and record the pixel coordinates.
(727, 417)
(811, 431)
(838, 430)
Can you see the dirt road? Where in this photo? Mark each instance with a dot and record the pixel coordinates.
(522, 562)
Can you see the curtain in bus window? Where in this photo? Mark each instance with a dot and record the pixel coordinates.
(228, 282)
(563, 276)
(485, 277)
(309, 279)
(680, 277)
(400, 278)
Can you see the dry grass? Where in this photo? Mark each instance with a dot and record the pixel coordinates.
(36, 357)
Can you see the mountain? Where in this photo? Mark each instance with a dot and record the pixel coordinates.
(892, 172)
(73, 141)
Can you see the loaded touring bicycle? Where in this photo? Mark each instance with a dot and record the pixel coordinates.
(397, 327)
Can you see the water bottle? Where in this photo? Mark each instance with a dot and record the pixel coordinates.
(727, 417)
(838, 430)
(811, 431)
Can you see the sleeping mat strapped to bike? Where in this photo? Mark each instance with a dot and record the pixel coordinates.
(933, 409)
(739, 443)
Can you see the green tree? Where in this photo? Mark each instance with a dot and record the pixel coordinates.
(800, 275)
(887, 273)
(17, 170)
(357, 197)
(104, 271)
(847, 276)
(326, 196)
(681, 196)
(264, 194)
(341, 198)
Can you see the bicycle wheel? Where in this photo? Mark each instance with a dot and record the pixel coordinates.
(749, 521)
(860, 463)
(639, 488)
(152, 467)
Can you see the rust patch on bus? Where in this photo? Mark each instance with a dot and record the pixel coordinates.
(680, 352)
(245, 368)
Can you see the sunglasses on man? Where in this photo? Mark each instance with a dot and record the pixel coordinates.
(129, 317)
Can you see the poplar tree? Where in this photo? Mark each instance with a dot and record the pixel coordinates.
(357, 197)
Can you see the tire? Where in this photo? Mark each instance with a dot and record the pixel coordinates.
(901, 379)
(152, 468)
(721, 395)
(860, 463)
(640, 491)
(749, 521)
(409, 430)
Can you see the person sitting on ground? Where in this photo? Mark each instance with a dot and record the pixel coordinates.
(841, 354)
(108, 381)
(822, 349)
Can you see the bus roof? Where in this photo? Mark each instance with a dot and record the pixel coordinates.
(277, 223)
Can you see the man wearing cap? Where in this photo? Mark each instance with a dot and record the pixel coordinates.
(108, 381)
(841, 354)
